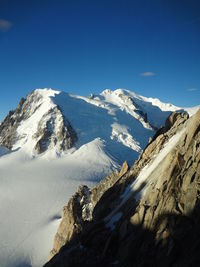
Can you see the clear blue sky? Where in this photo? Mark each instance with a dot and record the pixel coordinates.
(151, 47)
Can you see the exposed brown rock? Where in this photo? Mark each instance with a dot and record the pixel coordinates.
(72, 219)
(80, 208)
(162, 228)
(175, 116)
(124, 169)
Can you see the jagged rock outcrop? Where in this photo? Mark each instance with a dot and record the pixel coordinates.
(53, 129)
(9, 125)
(147, 216)
(73, 217)
(8, 128)
(78, 212)
(79, 209)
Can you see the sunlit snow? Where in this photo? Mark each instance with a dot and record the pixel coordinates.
(111, 127)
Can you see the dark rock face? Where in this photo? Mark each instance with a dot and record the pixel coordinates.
(161, 228)
(48, 135)
(9, 125)
(8, 128)
(53, 128)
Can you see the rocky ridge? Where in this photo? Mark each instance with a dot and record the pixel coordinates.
(148, 215)
(53, 129)
(80, 207)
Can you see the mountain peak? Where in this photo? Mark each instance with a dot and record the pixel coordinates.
(46, 116)
(46, 92)
(37, 124)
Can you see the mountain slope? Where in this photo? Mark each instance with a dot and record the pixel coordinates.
(52, 120)
(149, 216)
(37, 124)
(52, 143)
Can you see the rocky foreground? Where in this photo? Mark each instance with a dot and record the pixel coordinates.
(146, 215)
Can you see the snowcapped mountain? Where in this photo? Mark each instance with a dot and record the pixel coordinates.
(55, 141)
(49, 120)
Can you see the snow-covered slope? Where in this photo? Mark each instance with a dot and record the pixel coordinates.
(122, 119)
(57, 142)
(3, 151)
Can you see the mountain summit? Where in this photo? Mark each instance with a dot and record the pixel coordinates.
(49, 120)
(37, 124)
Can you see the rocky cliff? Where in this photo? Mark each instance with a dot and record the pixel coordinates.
(149, 215)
